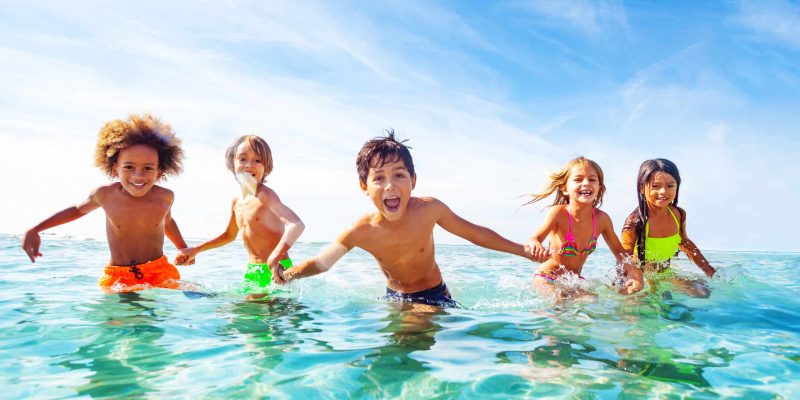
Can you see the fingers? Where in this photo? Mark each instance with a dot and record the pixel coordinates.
(277, 275)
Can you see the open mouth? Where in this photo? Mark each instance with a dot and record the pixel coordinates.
(586, 193)
(392, 204)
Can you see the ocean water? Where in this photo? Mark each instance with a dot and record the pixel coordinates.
(332, 337)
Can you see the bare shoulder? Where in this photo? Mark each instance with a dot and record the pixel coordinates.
(265, 193)
(603, 219)
(631, 220)
(557, 209)
(162, 192)
(101, 193)
(680, 213)
(429, 208)
(425, 202)
(355, 234)
(106, 189)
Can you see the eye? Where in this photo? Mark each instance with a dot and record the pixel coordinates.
(377, 178)
(400, 175)
(258, 161)
(128, 167)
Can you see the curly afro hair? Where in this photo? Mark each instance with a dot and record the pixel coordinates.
(143, 129)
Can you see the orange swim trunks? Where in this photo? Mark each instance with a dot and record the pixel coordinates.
(156, 273)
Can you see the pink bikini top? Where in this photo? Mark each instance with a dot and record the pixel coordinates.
(570, 247)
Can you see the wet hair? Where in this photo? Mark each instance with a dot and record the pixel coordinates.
(144, 129)
(258, 145)
(558, 181)
(638, 218)
(381, 150)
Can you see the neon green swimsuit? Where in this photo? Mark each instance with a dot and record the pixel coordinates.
(259, 275)
(661, 250)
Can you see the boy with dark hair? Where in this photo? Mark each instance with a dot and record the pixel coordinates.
(399, 232)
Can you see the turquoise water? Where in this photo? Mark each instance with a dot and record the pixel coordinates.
(330, 336)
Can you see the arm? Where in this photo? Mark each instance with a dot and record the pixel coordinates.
(321, 262)
(293, 228)
(629, 235)
(634, 281)
(174, 235)
(186, 255)
(692, 252)
(31, 241)
(478, 235)
(535, 246)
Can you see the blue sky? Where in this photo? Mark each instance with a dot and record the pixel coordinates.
(492, 96)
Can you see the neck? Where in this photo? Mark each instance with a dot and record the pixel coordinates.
(577, 209)
(657, 211)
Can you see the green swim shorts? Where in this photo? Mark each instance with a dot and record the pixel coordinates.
(259, 275)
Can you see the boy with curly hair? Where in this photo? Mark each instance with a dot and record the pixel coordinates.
(137, 153)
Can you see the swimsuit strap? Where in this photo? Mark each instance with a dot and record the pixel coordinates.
(570, 236)
(674, 218)
(647, 224)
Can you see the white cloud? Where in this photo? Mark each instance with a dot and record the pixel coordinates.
(592, 18)
(771, 20)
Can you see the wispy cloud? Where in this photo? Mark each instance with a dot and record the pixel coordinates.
(771, 21)
(591, 18)
(490, 104)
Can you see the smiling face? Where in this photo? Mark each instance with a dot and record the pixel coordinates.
(660, 190)
(583, 184)
(248, 161)
(389, 187)
(137, 169)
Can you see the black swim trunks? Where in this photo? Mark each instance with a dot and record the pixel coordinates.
(435, 296)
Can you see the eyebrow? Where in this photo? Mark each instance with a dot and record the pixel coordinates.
(133, 163)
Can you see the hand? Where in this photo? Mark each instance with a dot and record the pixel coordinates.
(537, 251)
(186, 256)
(631, 286)
(31, 243)
(277, 274)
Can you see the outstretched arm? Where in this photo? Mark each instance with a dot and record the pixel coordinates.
(31, 241)
(634, 281)
(478, 235)
(187, 255)
(319, 263)
(692, 252)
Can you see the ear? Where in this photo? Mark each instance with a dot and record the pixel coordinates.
(114, 172)
(363, 186)
(413, 181)
(564, 190)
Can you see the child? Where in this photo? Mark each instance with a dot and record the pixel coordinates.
(269, 228)
(573, 225)
(138, 152)
(399, 232)
(656, 230)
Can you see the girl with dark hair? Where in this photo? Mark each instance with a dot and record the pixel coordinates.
(656, 230)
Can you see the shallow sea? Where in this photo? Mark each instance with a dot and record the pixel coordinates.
(332, 336)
